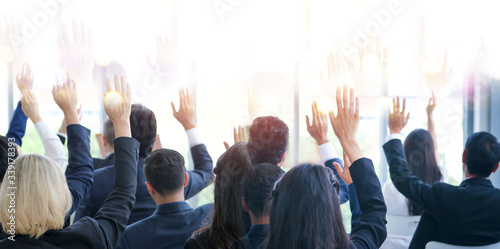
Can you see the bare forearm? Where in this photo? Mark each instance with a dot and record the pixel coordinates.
(122, 129)
(352, 148)
(432, 130)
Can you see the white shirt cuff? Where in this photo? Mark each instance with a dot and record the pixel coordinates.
(193, 137)
(328, 151)
(393, 136)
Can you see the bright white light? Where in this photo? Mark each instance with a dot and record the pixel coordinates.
(325, 104)
(371, 68)
(113, 100)
(434, 61)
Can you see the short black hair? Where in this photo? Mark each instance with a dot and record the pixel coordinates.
(482, 154)
(258, 184)
(4, 155)
(143, 126)
(268, 140)
(108, 131)
(164, 169)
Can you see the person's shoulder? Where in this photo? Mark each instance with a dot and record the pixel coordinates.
(105, 170)
(205, 208)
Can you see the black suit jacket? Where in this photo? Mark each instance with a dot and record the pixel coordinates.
(168, 228)
(104, 230)
(464, 215)
(144, 206)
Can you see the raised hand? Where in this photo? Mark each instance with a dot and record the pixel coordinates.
(397, 119)
(319, 127)
(240, 135)
(185, 115)
(119, 113)
(432, 104)
(29, 105)
(345, 174)
(345, 124)
(66, 98)
(77, 52)
(161, 67)
(25, 78)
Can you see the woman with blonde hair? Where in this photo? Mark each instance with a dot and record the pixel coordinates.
(35, 195)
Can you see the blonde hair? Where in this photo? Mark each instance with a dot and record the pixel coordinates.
(42, 197)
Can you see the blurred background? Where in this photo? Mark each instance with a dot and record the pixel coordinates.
(243, 59)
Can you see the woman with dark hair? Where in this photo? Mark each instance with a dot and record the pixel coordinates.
(420, 148)
(228, 222)
(305, 210)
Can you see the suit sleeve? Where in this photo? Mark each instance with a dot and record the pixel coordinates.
(17, 127)
(344, 189)
(370, 230)
(122, 243)
(80, 171)
(87, 207)
(409, 185)
(202, 175)
(354, 205)
(115, 211)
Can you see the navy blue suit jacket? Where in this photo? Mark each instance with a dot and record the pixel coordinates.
(17, 127)
(168, 228)
(256, 236)
(144, 206)
(464, 215)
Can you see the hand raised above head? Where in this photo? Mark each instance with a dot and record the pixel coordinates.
(345, 124)
(397, 119)
(24, 79)
(29, 104)
(432, 104)
(319, 127)
(66, 98)
(117, 104)
(185, 115)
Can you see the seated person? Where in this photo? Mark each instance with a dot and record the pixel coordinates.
(314, 220)
(257, 186)
(44, 195)
(420, 147)
(227, 225)
(451, 214)
(174, 220)
(143, 125)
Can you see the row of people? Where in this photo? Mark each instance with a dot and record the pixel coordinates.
(313, 191)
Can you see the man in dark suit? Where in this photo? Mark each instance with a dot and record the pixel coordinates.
(257, 187)
(143, 126)
(174, 220)
(464, 215)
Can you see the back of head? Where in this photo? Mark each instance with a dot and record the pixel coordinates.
(258, 184)
(421, 160)
(143, 126)
(482, 154)
(227, 224)
(108, 132)
(268, 140)
(5, 149)
(42, 197)
(314, 220)
(164, 169)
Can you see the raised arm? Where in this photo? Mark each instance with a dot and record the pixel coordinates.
(430, 124)
(51, 144)
(202, 175)
(318, 130)
(114, 212)
(17, 127)
(80, 171)
(404, 181)
(369, 231)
